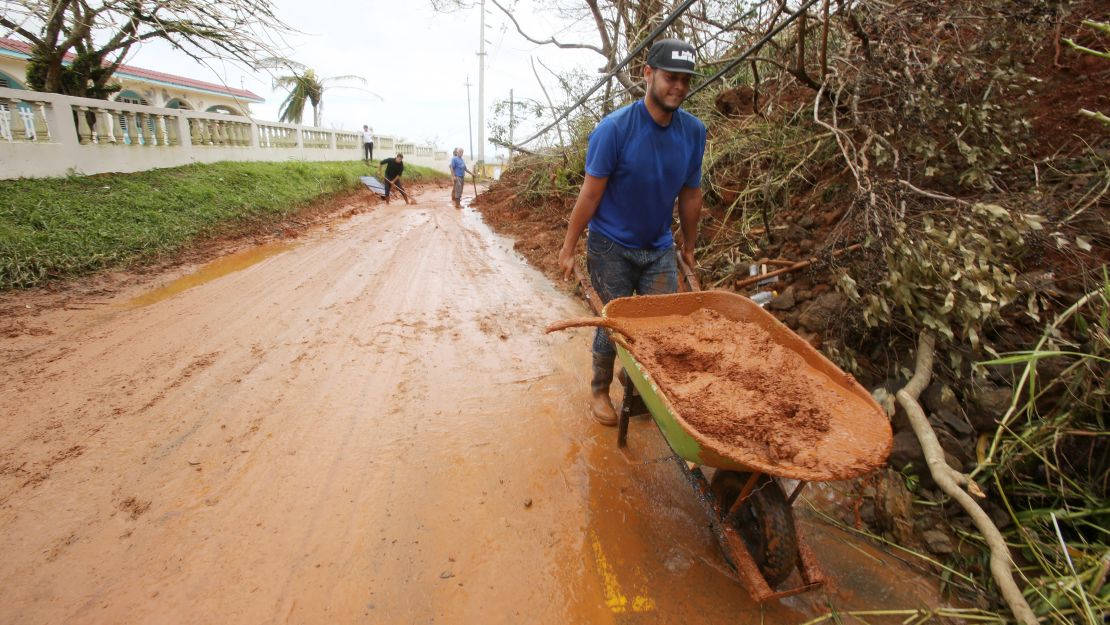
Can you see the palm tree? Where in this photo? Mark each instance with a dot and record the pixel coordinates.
(305, 87)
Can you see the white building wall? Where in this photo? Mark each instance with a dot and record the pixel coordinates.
(47, 135)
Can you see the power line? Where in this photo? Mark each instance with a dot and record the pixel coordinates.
(643, 44)
(753, 48)
(679, 10)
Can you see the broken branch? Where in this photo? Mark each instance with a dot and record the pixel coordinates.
(949, 480)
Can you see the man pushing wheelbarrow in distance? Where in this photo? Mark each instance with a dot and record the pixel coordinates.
(640, 159)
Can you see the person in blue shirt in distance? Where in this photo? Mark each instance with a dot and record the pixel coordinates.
(458, 170)
(640, 160)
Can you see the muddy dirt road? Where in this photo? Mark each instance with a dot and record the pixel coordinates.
(364, 426)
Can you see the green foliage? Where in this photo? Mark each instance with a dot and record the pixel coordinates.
(1050, 466)
(51, 228)
(84, 76)
(306, 88)
(953, 273)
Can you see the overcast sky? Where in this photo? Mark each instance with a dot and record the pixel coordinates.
(417, 60)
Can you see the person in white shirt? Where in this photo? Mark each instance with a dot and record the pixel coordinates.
(367, 143)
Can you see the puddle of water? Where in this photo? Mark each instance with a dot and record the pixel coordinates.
(215, 269)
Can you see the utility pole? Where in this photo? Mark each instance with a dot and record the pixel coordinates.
(482, 87)
(469, 119)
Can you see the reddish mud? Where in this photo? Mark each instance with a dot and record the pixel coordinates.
(751, 390)
(366, 427)
(734, 383)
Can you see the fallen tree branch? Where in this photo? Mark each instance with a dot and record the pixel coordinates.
(796, 266)
(949, 480)
(931, 194)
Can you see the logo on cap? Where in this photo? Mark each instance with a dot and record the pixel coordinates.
(682, 55)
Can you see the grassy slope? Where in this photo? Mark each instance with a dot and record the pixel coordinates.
(57, 227)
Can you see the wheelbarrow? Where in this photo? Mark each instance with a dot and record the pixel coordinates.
(748, 509)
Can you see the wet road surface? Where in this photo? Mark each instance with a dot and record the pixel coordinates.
(366, 426)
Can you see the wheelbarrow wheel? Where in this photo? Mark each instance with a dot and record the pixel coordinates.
(765, 522)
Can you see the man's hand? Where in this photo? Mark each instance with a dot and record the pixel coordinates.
(584, 208)
(688, 257)
(566, 262)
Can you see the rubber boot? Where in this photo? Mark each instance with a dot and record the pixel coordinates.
(600, 406)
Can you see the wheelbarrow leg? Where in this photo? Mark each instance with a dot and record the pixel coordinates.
(632, 405)
(622, 429)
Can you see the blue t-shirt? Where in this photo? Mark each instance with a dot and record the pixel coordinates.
(458, 166)
(647, 165)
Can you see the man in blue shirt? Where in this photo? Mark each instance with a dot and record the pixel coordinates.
(458, 170)
(640, 160)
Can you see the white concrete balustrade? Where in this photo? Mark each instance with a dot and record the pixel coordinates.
(46, 134)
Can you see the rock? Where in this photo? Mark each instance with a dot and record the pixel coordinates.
(823, 312)
(937, 542)
(446, 575)
(812, 338)
(893, 509)
(987, 403)
(795, 233)
(867, 513)
(783, 301)
(999, 516)
(938, 397)
(806, 221)
(528, 502)
(900, 422)
(953, 449)
(958, 424)
(906, 450)
(885, 399)
(790, 318)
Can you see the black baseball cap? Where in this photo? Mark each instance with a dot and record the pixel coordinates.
(673, 55)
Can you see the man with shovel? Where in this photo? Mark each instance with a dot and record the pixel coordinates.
(394, 167)
(640, 160)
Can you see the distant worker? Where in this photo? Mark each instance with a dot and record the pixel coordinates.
(458, 170)
(639, 160)
(394, 167)
(367, 144)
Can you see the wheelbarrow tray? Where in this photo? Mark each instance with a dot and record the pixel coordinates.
(861, 436)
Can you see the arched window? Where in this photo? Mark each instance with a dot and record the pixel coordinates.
(222, 108)
(6, 80)
(178, 103)
(130, 97)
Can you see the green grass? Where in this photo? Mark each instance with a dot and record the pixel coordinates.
(63, 227)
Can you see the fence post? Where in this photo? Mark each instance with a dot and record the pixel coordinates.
(60, 119)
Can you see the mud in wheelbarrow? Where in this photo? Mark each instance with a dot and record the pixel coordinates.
(747, 508)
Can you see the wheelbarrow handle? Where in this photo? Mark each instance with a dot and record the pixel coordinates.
(688, 273)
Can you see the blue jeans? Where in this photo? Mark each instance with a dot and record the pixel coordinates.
(618, 271)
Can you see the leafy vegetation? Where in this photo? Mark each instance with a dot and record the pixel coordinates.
(51, 228)
(305, 87)
(100, 35)
(1047, 463)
